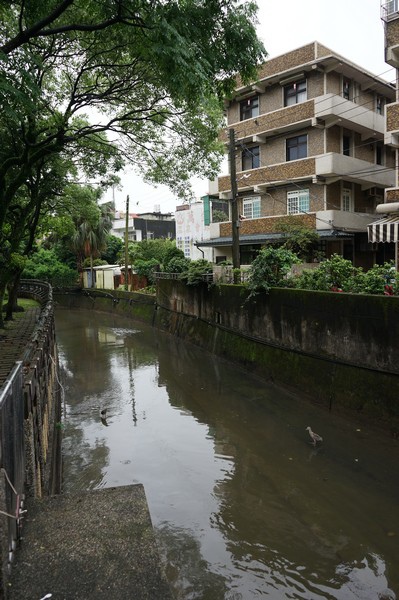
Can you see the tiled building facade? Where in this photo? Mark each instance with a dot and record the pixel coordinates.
(309, 145)
(390, 17)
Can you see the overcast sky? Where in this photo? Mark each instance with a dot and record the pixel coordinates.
(352, 28)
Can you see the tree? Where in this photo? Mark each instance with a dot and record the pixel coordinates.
(299, 238)
(151, 74)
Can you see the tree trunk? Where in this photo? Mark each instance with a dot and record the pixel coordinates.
(12, 304)
(2, 293)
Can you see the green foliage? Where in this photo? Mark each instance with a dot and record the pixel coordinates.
(171, 256)
(376, 279)
(299, 239)
(45, 265)
(197, 272)
(219, 216)
(161, 250)
(177, 264)
(334, 274)
(269, 269)
(146, 268)
(96, 262)
(113, 250)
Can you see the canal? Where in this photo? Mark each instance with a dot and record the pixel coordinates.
(242, 504)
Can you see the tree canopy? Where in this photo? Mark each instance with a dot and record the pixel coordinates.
(97, 83)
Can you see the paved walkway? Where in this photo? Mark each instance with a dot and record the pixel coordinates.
(14, 339)
(92, 546)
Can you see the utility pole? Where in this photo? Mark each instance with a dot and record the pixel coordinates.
(235, 223)
(126, 286)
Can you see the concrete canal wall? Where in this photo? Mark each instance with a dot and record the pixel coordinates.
(30, 415)
(339, 349)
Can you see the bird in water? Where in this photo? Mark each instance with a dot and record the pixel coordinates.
(315, 437)
(103, 416)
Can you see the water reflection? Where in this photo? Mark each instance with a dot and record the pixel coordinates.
(244, 506)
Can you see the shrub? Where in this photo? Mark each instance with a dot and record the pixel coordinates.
(177, 264)
(269, 268)
(197, 271)
(334, 274)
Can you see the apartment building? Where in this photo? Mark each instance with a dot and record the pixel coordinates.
(387, 229)
(309, 146)
(144, 226)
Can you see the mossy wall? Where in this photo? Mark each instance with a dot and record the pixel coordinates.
(339, 349)
(130, 304)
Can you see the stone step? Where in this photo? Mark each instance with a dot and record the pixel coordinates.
(96, 545)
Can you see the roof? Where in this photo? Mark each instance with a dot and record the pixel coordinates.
(264, 238)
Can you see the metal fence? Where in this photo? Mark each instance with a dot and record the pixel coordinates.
(12, 457)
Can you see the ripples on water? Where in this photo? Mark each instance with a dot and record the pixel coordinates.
(243, 506)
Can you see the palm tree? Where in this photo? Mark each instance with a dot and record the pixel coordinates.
(90, 238)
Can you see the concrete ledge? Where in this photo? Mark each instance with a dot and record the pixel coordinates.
(96, 545)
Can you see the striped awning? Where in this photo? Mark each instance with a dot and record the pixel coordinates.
(384, 230)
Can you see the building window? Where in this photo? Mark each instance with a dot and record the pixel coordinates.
(150, 235)
(251, 207)
(297, 147)
(179, 243)
(347, 200)
(132, 236)
(346, 145)
(249, 108)
(187, 246)
(298, 202)
(392, 7)
(294, 93)
(347, 89)
(379, 154)
(250, 158)
(379, 107)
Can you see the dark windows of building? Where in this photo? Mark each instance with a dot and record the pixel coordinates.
(297, 147)
(250, 158)
(379, 154)
(294, 93)
(347, 89)
(346, 145)
(379, 107)
(249, 108)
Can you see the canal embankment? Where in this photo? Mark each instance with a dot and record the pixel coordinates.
(338, 349)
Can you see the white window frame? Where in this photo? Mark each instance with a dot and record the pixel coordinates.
(347, 200)
(251, 207)
(298, 202)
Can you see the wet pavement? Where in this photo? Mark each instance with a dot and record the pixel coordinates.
(92, 546)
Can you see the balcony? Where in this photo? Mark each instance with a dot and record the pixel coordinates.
(389, 10)
(335, 110)
(323, 111)
(342, 219)
(337, 166)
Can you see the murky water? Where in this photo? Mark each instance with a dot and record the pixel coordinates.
(243, 506)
